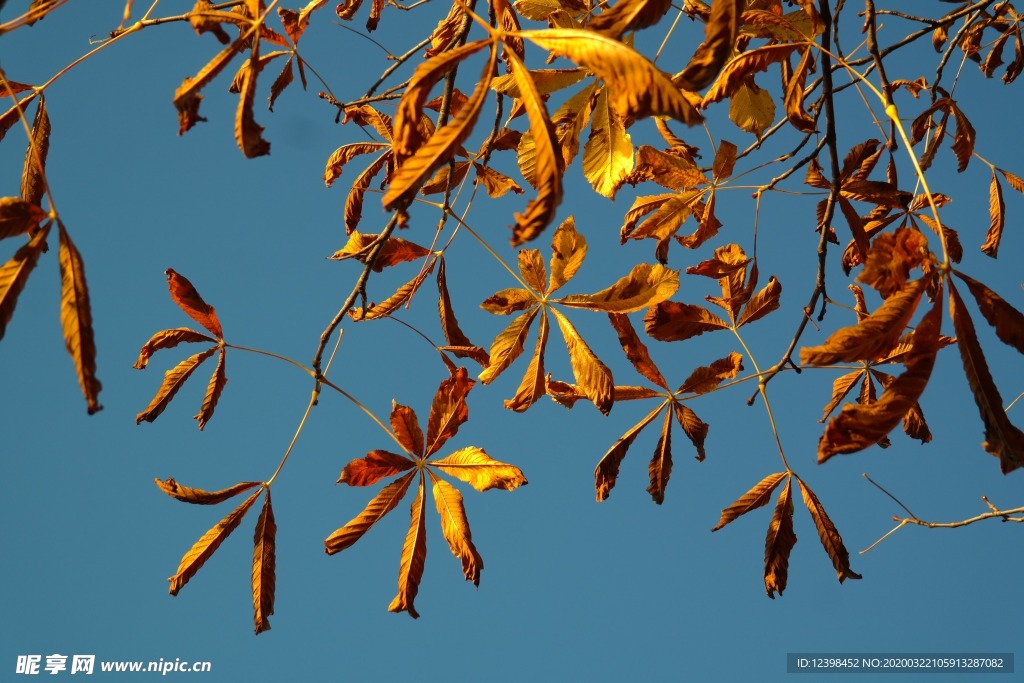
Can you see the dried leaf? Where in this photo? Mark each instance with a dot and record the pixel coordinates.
(997, 211)
(705, 379)
(646, 285)
(263, 566)
(674, 321)
(1002, 438)
(356, 193)
(168, 339)
(76, 319)
(778, 543)
(509, 301)
(396, 300)
(752, 108)
(383, 503)
(248, 133)
(473, 466)
(14, 274)
(607, 470)
(455, 528)
(629, 15)
(497, 184)
(283, 80)
(696, 430)
(763, 303)
(188, 300)
(719, 38)
(635, 350)
(206, 546)
(737, 72)
(891, 258)
(414, 554)
(568, 249)
(1007, 320)
(375, 466)
(670, 170)
(533, 386)
(450, 325)
(660, 468)
(531, 266)
(344, 154)
(608, 154)
(840, 388)
(591, 374)
(756, 497)
(18, 216)
(507, 346)
(33, 176)
(174, 379)
(218, 380)
(830, 538)
(187, 97)
(395, 250)
(187, 494)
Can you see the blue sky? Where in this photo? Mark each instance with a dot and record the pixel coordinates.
(572, 589)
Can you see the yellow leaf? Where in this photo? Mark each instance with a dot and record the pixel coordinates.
(213, 390)
(383, 503)
(455, 528)
(205, 547)
(497, 184)
(608, 154)
(76, 319)
(744, 66)
(187, 494)
(395, 250)
(14, 274)
(263, 567)
(546, 81)
(646, 285)
(830, 538)
(414, 554)
(591, 374)
(473, 466)
(568, 249)
(531, 265)
(756, 497)
(779, 542)
(752, 108)
(637, 88)
(174, 379)
(672, 171)
(629, 15)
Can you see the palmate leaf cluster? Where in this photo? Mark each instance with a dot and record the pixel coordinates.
(573, 81)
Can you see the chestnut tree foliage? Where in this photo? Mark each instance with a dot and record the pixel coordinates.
(674, 100)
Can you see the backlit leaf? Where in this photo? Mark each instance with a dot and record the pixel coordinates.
(450, 325)
(375, 466)
(344, 154)
(531, 266)
(414, 554)
(509, 301)
(891, 258)
(407, 428)
(762, 303)
(737, 71)
(660, 468)
(840, 388)
(507, 346)
(591, 374)
(473, 466)
(14, 274)
(206, 546)
(357, 192)
(629, 15)
(174, 379)
(672, 171)
(396, 300)
(997, 212)
(33, 179)
(76, 319)
(213, 391)
(719, 38)
(646, 285)
(635, 350)
(264, 566)
(704, 379)
(674, 321)
(395, 250)
(188, 299)
(455, 528)
(778, 543)
(607, 470)
(830, 538)
(756, 497)
(752, 108)
(568, 249)
(448, 411)
(168, 339)
(533, 386)
(187, 494)
(383, 503)
(608, 154)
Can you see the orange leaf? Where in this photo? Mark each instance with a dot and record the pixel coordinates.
(188, 299)
(696, 430)
(14, 274)
(830, 538)
(1007, 320)
(719, 38)
(356, 193)
(840, 388)
(213, 390)
(756, 497)
(396, 300)
(778, 543)
(375, 466)
(76, 319)
(997, 212)
(568, 249)
(629, 15)
(704, 379)
(383, 503)
(794, 99)
(591, 374)
(674, 321)
(448, 411)
(18, 216)
(635, 350)
(263, 567)
(744, 65)
(531, 266)
(187, 97)
(509, 301)
(533, 386)
(871, 337)
(455, 528)
(395, 250)
(508, 346)
(33, 178)
(891, 258)
(406, 428)
(174, 379)
(346, 153)
(661, 464)
(646, 285)
(1002, 438)
(414, 554)
(450, 325)
(248, 133)
(187, 494)
(168, 339)
(473, 466)
(205, 547)
(860, 426)
(607, 470)
(763, 303)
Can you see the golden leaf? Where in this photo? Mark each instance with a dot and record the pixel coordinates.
(168, 339)
(76, 319)
(509, 301)
(531, 266)
(188, 300)
(608, 154)
(345, 154)
(497, 184)
(704, 379)
(673, 321)
(507, 346)
(872, 336)
(546, 165)
(568, 249)
(263, 567)
(356, 193)
(860, 426)
(778, 543)
(762, 303)
(636, 87)
(696, 430)
(399, 298)
(1002, 438)
(439, 149)
(794, 99)
(395, 250)
(737, 72)
(636, 352)
(448, 411)
(533, 386)
(18, 216)
(455, 528)
(646, 285)
(725, 160)
(591, 374)
(383, 503)
(205, 547)
(14, 274)
(756, 497)
(414, 554)
(840, 388)
(661, 464)
(629, 15)
(539, 10)
(607, 470)
(213, 390)
(375, 466)
(997, 211)
(672, 171)
(830, 538)
(752, 108)
(719, 38)
(173, 380)
(187, 494)
(546, 81)
(473, 466)
(187, 97)
(1007, 321)
(33, 176)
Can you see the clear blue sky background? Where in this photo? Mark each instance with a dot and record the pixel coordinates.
(572, 590)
